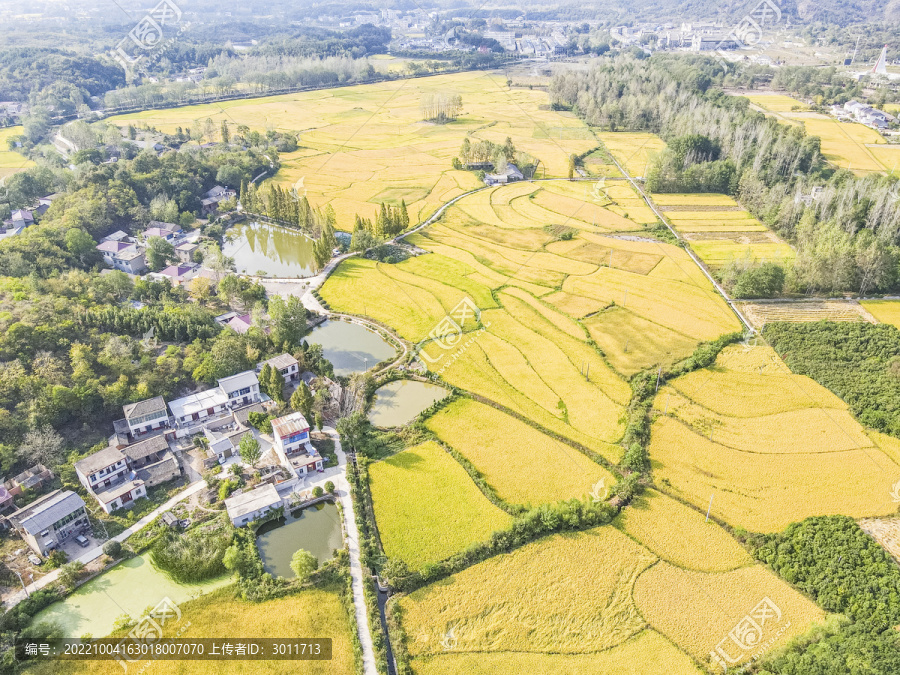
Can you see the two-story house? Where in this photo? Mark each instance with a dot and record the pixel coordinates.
(125, 256)
(291, 434)
(50, 520)
(285, 364)
(241, 389)
(146, 415)
(118, 477)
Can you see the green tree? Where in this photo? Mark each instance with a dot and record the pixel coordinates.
(69, 573)
(329, 487)
(250, 450)
(302, 401)
(320, 421)
(159, 253)
(225, 132)
(304, 563)
(288, 321)
(318, 491)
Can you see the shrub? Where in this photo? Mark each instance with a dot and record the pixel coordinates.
(192, 557)
(318, 491)
(329, 487)
(56, 559)
(304, 563)
(112, 548)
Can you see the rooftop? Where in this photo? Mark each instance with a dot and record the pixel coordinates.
(158, 232)
(150, 446)
(289, 425)
(161, 469)
(99, 460)
(42, 513)
(280, 362)
(115, 491)
(145, 407)
(241, 323)
(240, 381)
(252, 501)
(196, 403)
(112, 246)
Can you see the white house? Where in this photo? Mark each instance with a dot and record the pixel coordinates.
(123, 255)
(147, 415)
(291, 434)
(50, 520)
(285, 364)
(232, 392)
(511, 174)
(248, 506)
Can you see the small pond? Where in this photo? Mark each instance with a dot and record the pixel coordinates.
(398, 402)
(350, 347)
(276, 251)
(128, 588)
(316, 529)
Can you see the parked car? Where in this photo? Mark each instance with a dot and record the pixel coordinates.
(82, 541)
(34, 560)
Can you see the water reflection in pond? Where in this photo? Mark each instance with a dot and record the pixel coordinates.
(350, 347)
(316, 529)
(398, 402)
(263, 247)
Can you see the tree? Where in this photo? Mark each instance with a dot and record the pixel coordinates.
(69, 573)
(329, 487)
(43, 445)
(226, 133)
(320, 421)
(304, 563)
(159, 253)
(571, 167)
(302, 400)
(318, 491)
(112, 548)
(288, 321)
(271, 382)
(250, 450)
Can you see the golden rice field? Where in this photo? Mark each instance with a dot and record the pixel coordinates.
(776, 102)
(314, 612)
(698, 610)
(720, 236)
(767, 456)
(426, 506)
(760, 313)
(632, 150)
(595, 593)
(680, 535)
(647, 653)
(532, 353)
(522, 464)
(564, 594)
(366, 144)
(886, 311)
(11, 161)
(888, 155)
(844, 143)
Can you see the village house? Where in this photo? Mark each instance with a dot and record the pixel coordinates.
(185, 251)
(124, 256)
(249, 506)
(33, 478)
(232, 392)
(210, 202)
(161, 230)
(510, 174)
(291, 434)
(240, 323)
(116, 478)
(178, 274)
(47, 522)
(146, 415)
(285, 364)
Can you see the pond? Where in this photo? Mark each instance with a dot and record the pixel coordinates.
(262, 247)
(398, 402)
(128, 588)
(350, 347)
(316, 529)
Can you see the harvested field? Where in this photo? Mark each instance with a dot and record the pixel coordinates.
(761, 313)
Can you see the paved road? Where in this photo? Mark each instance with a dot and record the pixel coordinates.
(342, 486)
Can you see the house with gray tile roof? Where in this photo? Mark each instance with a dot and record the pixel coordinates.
(50, 520)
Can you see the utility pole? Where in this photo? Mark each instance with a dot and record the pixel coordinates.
(710, 507)
(658, 375)
(24, 587)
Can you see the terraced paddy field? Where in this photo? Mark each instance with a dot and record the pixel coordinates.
(362, 145)
(632, 150)
(844, 143)
(719, 231)
(552, 596)
(540, 299)
(426, 506)
(506, 451)
(760, 313)
(11, 161)
(770, 447)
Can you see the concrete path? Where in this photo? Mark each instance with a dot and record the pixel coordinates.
(342, 487)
